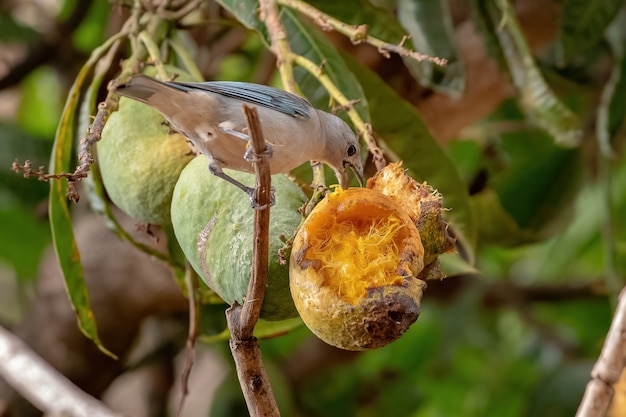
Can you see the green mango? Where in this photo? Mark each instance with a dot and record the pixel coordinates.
(204, 203)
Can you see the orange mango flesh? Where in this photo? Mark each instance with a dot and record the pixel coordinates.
(360, 244)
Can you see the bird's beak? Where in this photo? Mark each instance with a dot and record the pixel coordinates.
(342, 176)
(357, 171)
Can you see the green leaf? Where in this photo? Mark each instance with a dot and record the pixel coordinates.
(583, 249)
(430, 25)
(495, 224)
(611, 111)
(60, 216)
(539, 180)
(247, 12)
(540, 103)
(406, 138)
(583, 23)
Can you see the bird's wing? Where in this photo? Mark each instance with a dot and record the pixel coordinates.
(258, 94)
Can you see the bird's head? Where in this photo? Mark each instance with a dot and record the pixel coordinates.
(342, 149)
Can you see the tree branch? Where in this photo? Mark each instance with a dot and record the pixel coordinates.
(607, 370)
(42, 385)
(242, 319)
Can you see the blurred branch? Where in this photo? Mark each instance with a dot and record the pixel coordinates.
(194, 296)
(607, 370)
(49, 48)
(242, 319)
(501, 292)
(42, 385)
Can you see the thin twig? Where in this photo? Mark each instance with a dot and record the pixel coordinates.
(84, 155)
(357, 33)
(193, 294)
(41, 384)
(242, 319)
(607, 370)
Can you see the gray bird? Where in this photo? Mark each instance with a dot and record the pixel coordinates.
(210, 115)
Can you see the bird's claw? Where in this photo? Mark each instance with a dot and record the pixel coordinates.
(252, 157)
(257, 206)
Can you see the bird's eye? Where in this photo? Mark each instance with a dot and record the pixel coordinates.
(351, 150)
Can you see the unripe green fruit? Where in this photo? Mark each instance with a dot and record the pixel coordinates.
(202, 199)
(140, 161)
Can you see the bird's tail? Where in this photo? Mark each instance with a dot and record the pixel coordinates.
(141, 88)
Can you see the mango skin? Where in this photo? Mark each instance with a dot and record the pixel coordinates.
(381, 318)
(201, 198)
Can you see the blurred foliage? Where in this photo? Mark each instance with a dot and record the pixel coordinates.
(538, 215)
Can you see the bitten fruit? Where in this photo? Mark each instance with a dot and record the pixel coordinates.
(353, 270)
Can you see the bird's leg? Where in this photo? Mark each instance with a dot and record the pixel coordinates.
(248, 155)
(224, 127)
(216, 169)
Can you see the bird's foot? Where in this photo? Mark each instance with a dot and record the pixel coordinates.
(257, 206)
(252, 157)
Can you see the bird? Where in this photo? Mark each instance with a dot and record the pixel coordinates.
(210, 115)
